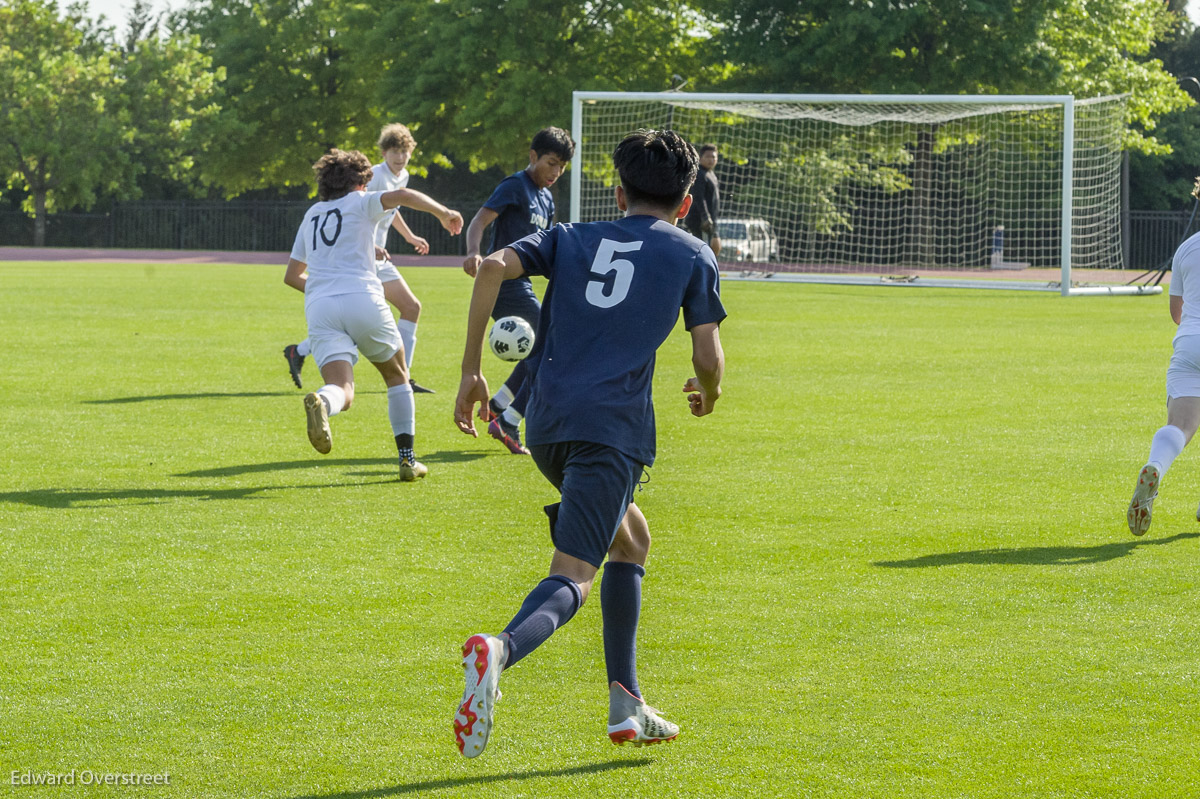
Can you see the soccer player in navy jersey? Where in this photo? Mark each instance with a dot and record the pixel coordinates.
(520, 205)
(614, 294)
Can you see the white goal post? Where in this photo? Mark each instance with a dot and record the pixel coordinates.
(980, 191)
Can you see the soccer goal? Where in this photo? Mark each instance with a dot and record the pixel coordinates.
(1011, 192)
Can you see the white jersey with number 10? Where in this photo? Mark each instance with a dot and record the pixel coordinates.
(336, 240)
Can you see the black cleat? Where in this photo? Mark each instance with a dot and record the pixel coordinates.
(295, 362)
(419, 389)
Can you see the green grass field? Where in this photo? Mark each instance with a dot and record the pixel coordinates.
(893, 563)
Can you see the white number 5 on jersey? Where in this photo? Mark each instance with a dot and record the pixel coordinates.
(605, 263)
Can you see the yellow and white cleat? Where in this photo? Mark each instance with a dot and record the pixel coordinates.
(1142, 504)
(318, 423)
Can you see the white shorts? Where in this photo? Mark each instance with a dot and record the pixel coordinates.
(386, 271)
(1183, 374)
(341, 324)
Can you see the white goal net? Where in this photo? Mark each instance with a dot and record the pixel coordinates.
(944, 189)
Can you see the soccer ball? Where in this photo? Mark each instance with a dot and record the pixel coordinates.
(511, 338)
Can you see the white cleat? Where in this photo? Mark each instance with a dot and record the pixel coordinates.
(1142, 504)
(630, 720)
(483, 658)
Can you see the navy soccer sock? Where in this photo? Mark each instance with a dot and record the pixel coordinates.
(620, 605)
(550, 605)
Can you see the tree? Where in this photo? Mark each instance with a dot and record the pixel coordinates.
(60, 143)
(1164, 182)
(82, 117)
(168, 91)
(882, 46)
(1081, 47)
(480, 77)
(294, 87)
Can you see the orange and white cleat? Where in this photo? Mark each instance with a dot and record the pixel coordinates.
(631, 720)
(483, 660)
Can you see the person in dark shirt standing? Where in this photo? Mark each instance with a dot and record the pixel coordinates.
(614, 294)
(520, 205)
(702, 218)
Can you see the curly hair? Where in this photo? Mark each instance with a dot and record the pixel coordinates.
(340, 172)
(396, 137)
(656, 166)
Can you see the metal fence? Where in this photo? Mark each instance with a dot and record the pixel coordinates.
(206, 225)
(1151, 238)
(1154, 235)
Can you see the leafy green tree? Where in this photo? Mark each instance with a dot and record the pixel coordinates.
(296, 85)
(59, 141)
(81, 117)
(1160, 181)
(168, 91)
(865, 46)
(1081, 47)
(478, 78)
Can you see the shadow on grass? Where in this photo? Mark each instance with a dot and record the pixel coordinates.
(90, 498)
(463, 782)
(1033, 556)
(452, 456)
(201, 395)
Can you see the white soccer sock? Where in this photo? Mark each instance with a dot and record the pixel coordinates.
(408, 334)
(511, 416)
(304, 349)
(1168, 442)
(401, 409)
(503, 398)
(334, 397)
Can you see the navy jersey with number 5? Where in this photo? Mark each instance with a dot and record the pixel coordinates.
(614, 294)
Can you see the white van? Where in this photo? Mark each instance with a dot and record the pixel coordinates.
(750, 240)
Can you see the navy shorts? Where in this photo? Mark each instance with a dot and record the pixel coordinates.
(516, 298)
(596, 483)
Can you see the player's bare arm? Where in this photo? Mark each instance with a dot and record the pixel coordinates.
(493, 270)
(708, 359)
(294, 276)
(483, 217)
(1176, 308)
(419, 244)
(419, 201)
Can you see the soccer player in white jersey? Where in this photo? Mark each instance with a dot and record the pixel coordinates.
(396, 145)
(344, 300)
(1183, 383)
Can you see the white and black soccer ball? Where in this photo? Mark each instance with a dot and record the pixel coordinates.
(511, 338)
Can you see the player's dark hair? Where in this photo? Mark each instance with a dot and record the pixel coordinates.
(340, 172)
(704, 148)
(555, 141)
(656, 167)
